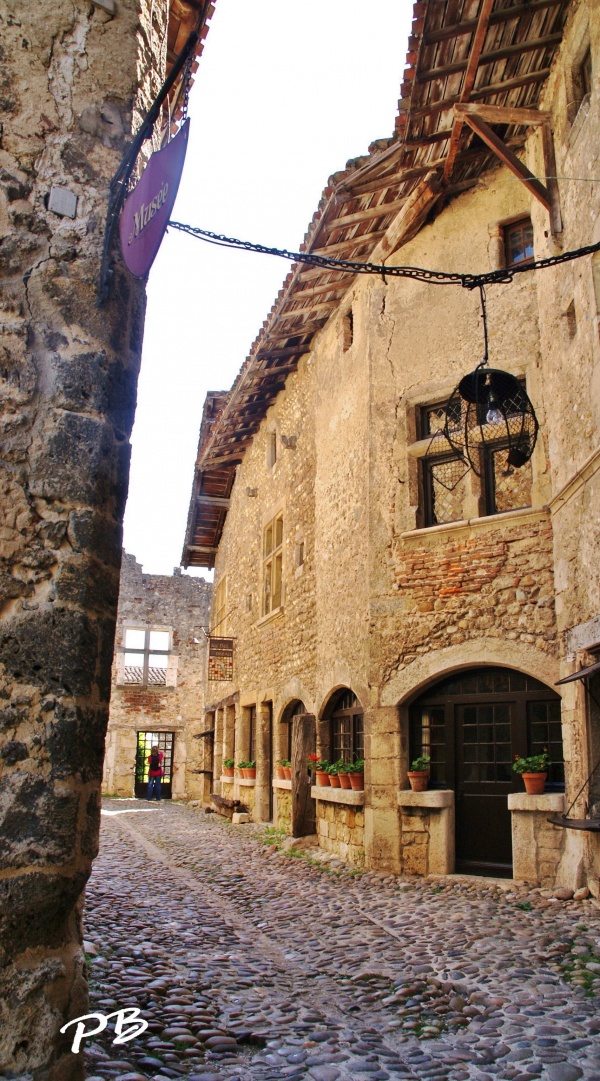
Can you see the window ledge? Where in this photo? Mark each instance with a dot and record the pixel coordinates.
(548, 801)
(246, 782)
(436, 799)
(348, 796)
(280, 782)
(470, 523)
(269, 616)
(226, 780)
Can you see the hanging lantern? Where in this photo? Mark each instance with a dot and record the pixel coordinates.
(490, 407)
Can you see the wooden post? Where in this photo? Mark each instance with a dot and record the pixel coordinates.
(304, 739)
(551, 181)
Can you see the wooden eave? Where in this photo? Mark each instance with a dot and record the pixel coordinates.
(185, 16)
(460, 52)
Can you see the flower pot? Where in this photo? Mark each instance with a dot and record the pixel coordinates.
(344, 780)
(228, 771)
(279, 773)
(287, 773)
(322, 778)
(534, 783)
(250, 774)
(334, 780)
(419, 780)
(242, 771)
(357, 781)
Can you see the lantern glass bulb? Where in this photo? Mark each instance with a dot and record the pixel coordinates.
(493, 415)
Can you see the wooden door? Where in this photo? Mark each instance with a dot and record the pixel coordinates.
(304, 742)
(484, 754)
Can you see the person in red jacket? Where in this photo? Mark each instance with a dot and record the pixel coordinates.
(155, 772)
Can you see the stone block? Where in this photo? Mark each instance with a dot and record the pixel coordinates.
(239, 817)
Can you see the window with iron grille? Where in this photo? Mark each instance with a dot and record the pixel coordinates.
(446, 480)
(272, 565)
(146, 656)
(518, 243)
(347, 729)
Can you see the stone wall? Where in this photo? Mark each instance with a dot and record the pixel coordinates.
(71, 74)
(180, 604)
(341, 830)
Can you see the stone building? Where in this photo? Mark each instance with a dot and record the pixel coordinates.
(157, 682)
(77, 78)
(383, 600)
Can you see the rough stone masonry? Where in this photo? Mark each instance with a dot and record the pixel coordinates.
(73, 72)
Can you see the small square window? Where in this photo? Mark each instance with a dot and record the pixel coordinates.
(518, 243)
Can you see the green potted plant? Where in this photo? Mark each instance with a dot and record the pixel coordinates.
(333, 774)
(418, 773)
(228, 767)
(251, 770)
(322, 776)
(534, 771)
(356, 773)
(344, 775)
(287, 768)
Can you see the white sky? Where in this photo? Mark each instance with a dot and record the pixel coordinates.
(286, 92)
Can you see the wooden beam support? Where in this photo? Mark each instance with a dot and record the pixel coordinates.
(468, 84)
(489, 91)
(500, 114)
(551, 181)
(510, 159)
(446, 33)
(201, 549)
(347, 245)
(317, 290)
(212, 501)
(409, 220)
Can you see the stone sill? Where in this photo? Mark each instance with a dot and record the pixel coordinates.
(470, 523)
(549, 801)
(280, 782)
(433, 798)
(269, 616)
(246, 782)
(227, 780)
(338, 795)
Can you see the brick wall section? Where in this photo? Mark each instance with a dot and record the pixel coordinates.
(182, 603)
(460, 584)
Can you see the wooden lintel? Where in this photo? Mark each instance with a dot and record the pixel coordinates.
(500, 114)
(364, 215)
(510, 159)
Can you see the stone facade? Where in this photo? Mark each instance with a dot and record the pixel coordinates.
(377, 600)
(178, 605)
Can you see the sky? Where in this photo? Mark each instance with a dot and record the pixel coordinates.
(286, 93)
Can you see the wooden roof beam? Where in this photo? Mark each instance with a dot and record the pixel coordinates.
(509, 158)
(479, 36)
(320, 309)
(505, 15)
(364, 215)
(212, 501)
(490, 58)
(447, 104)
(347, 245)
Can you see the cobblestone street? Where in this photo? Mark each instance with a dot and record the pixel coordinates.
(251, 964)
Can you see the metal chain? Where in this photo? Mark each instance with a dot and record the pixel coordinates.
(434, 277)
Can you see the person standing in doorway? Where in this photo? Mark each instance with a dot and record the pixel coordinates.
(155, 772)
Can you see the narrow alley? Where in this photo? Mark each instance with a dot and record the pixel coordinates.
(252, 961)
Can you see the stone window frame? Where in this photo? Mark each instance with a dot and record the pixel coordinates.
(271, 559)
(147, 652)
(219, 628)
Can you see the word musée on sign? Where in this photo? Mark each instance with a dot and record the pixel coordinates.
(147, 209)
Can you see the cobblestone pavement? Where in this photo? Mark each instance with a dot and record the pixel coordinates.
(250, 964)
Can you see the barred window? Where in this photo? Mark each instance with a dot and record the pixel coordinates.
(146, 656)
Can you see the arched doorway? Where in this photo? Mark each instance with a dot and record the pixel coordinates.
(472, 724)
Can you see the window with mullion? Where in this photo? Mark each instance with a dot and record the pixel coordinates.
(347, 736)
(146, 656)
(272, 564)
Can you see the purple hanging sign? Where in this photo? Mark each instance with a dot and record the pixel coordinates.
(147, 210)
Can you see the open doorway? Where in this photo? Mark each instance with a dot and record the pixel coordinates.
(146, 740)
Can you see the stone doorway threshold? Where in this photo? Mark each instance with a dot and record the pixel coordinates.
(505, 884)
